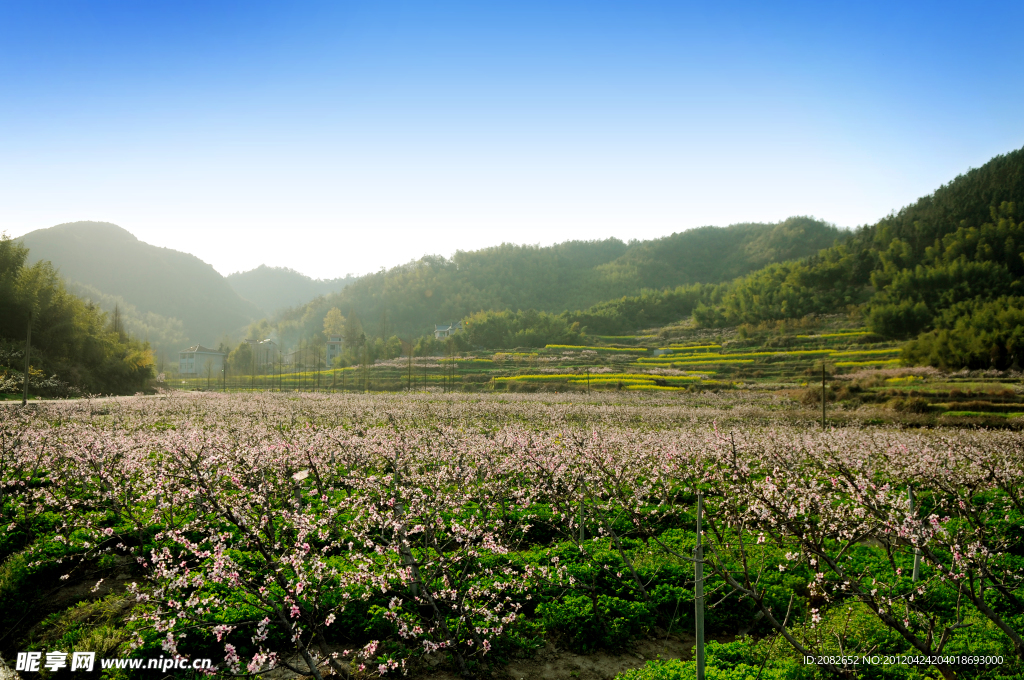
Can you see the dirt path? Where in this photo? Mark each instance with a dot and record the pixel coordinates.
(80, 400)
(553, 663)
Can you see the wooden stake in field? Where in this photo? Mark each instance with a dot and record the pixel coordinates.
(455, 369)
(28, 347)
(917, 551)
(698, 577)
(823, 395)
(582, 535)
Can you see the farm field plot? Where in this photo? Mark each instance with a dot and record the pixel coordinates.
(866, 376)
(364, 535)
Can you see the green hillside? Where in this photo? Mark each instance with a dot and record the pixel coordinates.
(946, 270)
(76, 348)
(410, 298)
(713, 254)
(166, 336)
(275, 288)
(165, 282)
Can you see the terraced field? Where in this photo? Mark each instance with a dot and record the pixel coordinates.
(865, 378)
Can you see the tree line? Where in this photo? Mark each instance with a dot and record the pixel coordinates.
(946, 273)
(75, 346)
(523, 296)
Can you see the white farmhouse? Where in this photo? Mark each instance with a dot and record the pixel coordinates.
(265, 354)
(334, 346)
(200, 361)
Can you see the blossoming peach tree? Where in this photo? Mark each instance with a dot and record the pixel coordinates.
(352, 535)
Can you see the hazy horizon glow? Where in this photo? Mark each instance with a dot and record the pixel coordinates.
(338, 138)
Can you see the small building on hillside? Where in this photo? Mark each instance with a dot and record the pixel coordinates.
(200, 361)
(446, 329)
(333, 349)
(265, 354)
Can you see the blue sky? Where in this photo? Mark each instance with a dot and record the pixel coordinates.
(343, 137)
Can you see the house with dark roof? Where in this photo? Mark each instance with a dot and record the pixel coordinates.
(446, 329)
(200, 361)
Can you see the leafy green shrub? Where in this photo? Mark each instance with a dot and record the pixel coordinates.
(851, 629)
(93, 626)
(22, 587)
(899, 320)
(973, 334)
(812, 395)
(14, 574)
(614, 622)
(732, 661)
(910, 405)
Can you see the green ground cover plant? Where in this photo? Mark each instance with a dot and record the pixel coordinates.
(364, 535)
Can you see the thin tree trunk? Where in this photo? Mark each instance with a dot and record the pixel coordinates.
(28, 348)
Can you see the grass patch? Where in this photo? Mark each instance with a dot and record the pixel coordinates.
(597, 349)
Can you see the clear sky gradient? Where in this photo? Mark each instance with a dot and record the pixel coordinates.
(343, 137)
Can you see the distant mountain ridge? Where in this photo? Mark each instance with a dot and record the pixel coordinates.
(167, 282)
(573, 275)
(160, 285)
(275, 288)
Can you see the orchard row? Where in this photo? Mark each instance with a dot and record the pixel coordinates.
(269, 530)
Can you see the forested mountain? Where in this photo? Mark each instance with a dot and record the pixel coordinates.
(274, 288)
(410, 298)
(75, 346)
(949, 267)
(166, 336)
(166, 282)
(712, 254)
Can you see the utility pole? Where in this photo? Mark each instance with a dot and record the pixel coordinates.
(698, 577)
